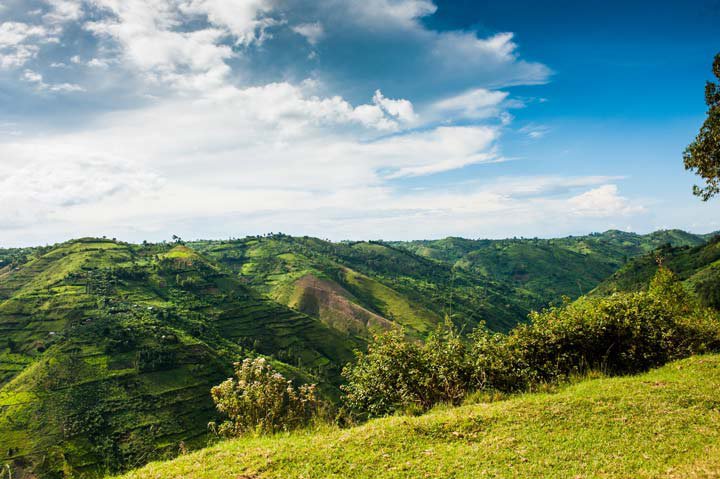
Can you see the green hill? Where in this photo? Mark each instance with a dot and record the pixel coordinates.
(363, 287)
(665, 423)
(543, 270)
(698, 267)
(108, 352)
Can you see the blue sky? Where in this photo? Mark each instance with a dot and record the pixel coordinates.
(393, 119)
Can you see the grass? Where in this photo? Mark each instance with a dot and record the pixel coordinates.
(665, 423)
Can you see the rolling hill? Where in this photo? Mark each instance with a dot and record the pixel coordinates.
(364, 287)
(698, 267)
(544, 270)
(116, 346)
(360, 288)
(596, 428)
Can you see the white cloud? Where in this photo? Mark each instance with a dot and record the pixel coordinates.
(18, 43)
(263, 147)
(312, 32)
(145, 32)
(478, 103)
(246, 20)
(63, 11)
(39, 179)
(37, 80)
(534, 132)
(207, 149)
(435, 151)
(32, 77)
(495, 57)
(393, 13)
(603, 201)
(400, 109)
(98, 63)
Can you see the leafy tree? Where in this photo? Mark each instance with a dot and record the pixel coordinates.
(703, 155)
(261, 400)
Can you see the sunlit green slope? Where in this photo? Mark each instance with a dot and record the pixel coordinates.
(543, 270)
(108, 352)
(363, 287)
(665, 423)
(698, 267)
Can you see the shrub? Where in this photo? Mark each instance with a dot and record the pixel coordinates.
(622, 333)
(261, 400)
(398, 375)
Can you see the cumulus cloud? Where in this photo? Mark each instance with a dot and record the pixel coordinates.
(246, 20)
(62, 11)
(145, 31)
(604, 201)
(401, 109)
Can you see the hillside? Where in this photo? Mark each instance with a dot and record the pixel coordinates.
(363, 287)
(698, 267)
(543, 270)
(116, 347)
(597, 428)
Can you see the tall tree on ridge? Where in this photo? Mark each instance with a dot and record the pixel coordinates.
(703, 155)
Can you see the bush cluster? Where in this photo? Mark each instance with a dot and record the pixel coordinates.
(619, 334)
(261, 400)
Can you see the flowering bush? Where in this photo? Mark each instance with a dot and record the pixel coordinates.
(261, 400)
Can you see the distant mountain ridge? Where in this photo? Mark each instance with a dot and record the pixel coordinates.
(546, 269)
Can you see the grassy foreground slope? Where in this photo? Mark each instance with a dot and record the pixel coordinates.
(665, 423)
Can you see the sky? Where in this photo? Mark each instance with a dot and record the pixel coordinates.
(380, 119)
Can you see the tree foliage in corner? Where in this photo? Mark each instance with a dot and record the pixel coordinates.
(703, 155)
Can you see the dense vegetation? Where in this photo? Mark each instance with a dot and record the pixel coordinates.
(619, 334)
(361, 288)
(540, 271)
(665, 423)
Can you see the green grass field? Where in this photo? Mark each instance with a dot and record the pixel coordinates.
(665, 423)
